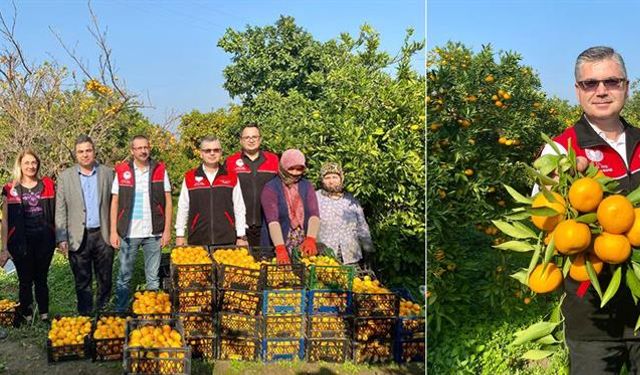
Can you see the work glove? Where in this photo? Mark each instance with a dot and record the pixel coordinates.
(309, 247)
(282, 256)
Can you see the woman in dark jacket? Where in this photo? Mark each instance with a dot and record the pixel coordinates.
(28, 231)
(290, 208)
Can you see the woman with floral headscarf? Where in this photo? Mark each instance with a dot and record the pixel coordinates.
(344, 228)
(290, 209)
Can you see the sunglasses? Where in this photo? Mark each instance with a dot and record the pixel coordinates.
(609, 83)
(211, 150)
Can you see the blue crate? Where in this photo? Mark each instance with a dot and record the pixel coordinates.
(409, 327)
(409, 351)
(273, 302)
(296, 349)
(340, 302)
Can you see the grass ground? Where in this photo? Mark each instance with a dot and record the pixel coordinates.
(24, 351)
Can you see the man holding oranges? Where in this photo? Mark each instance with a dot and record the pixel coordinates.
(601, 340)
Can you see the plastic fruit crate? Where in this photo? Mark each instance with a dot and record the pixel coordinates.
(375, 304)
(202, 346)
(328, 350)
(285, 276)
(331, 277)
(197, 324)
(239, 325)
(329, 326)
(192, 275)
(107, 349)
(139, 360)
(283, 302)
(375, 351)
(373, 328)
(234, 348)
(283, 326)
(239, 278)
(409, 327)
(194, 300)
(409, 351)
(329, 302)
(68, 352)
(239, 301)
(9, 317)
(282, 349)
(263, 252)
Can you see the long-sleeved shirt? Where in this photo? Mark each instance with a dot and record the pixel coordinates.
(239, 209)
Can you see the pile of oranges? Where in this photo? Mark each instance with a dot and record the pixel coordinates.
(320, 260)
(111, 327)
(236, 257)
(153, 337)
(69, 330)
(7, 305)
(618, 220)
(366, 285)
(151, 302)
(409, 308)
(190, 255)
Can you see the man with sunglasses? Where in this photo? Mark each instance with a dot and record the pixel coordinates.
(601, 340)
(254, 168)
(140, 216)
(211, 209)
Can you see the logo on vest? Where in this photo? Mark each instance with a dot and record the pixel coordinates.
(225, 181)
(126, 175)
(13, 192)
(594, 155)
(198, 178)
(240, 163)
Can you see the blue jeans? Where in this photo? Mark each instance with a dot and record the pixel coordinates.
(128, 249)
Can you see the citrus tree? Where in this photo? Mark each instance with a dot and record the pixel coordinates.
(485, 114)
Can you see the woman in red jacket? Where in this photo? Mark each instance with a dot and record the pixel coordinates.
(28, 231)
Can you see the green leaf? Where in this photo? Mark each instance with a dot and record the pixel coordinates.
(636, 269)
(634, 196)
(547, 340)
(548, 254)
(517, 196)
(633, 283)
(546, 163)
(534, 332)
(556, 313)
(518, 216)
(637, 325)
(534, 260)
(551, 143)
(544, 180)
(512, 231)
(612, 289)
(593, 276)
(589, 218)
(542, 211)
(536, 354)
(566, 267)
(519, 246)
(521, 276)
(525, 229)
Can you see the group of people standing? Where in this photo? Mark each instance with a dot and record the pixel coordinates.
(252, 198)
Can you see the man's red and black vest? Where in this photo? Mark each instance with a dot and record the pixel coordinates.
(252, 180)
(584, 319)
(16, 236)
(126, 194)
(211, 219)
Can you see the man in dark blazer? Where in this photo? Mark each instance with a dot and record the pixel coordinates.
(83, 200)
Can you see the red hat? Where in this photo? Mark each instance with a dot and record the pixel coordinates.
(291, 158)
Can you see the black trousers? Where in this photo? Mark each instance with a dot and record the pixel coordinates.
(93, 256)
(603, 357)
(33, 269)
(253, 235)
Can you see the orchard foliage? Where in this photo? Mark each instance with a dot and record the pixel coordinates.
(485, 116)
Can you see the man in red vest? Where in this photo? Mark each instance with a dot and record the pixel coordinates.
(254, 168)
(140, 216)
(211, 209)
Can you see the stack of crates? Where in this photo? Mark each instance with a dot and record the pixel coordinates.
(409, 343)
(329, 311)
(193, 295)
(283, 311)
(239, 302)
(374, 326)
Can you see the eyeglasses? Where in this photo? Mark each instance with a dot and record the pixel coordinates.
(609, 83)
(211, 150)
(250, 137)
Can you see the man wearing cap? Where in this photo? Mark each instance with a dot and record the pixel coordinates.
(211, 209)
(254, 167)
(290, 209)
(344, 228)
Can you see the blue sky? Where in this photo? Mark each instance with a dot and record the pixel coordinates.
(166, 51)
(548, 34)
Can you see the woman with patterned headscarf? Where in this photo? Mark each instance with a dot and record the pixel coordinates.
(344, 228)
(290, 209)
